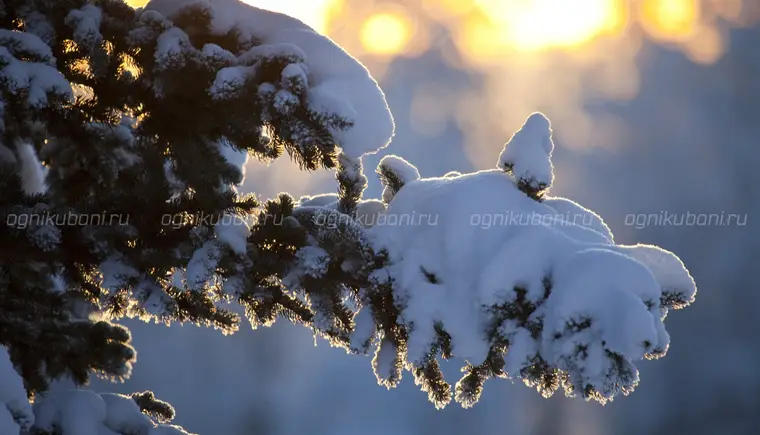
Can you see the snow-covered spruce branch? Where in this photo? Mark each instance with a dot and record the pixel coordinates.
(545, 296)
(144, 120)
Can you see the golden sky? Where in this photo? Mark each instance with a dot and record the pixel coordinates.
(532, 55)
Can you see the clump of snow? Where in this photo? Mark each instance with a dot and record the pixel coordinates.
(218, 54)
(295, 78)
(175, 184)
(31, 170)
(285, 102)
(386, 364)
(233, 231)
(86, 24)
(339, 83)
(229, 81)
(201, 269)
(123, 415)
(528, 153)
(367, 214)
(83, 412)
(115, 274)
(364, 331)
(311, 262)
(37, 79)
(323, 200)
(172, 46)
(27, 44)
(395, 172)
(404, 170)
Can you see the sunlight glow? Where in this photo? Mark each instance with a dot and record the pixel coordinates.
(386, 33)
(541, 24)
(670, 20)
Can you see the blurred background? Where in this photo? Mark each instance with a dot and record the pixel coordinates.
(655, 106)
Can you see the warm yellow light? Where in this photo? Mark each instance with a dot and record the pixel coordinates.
(540, 24)
(672, 20)
(315, 13)
(386, 33)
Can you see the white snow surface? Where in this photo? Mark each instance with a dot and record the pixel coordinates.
(86, 24)
(84, 412)
(573, 212)
(404, 170)
(38, 79)
(529, 151)
(31, 170)
(338, 81)
(473, 266)
(201, 269)
(233, 231)
(368, 212)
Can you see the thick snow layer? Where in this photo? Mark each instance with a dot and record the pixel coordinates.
(368, 212)
(83, 412)
(573, 212)
(338, 81)
(25, 42)
(448, 266)
(37, 79)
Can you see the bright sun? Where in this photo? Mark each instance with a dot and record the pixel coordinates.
(386, 33)
(538, 24)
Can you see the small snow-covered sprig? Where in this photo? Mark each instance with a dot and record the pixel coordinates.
(394, 173)
(528, 154)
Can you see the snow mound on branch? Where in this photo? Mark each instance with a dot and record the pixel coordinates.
(577, 214)
(339, 82)
(599, 303)
(528, 152)
(367, 213)
(83, 412)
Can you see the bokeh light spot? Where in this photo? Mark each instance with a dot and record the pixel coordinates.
(670, 20)
(386, 33)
